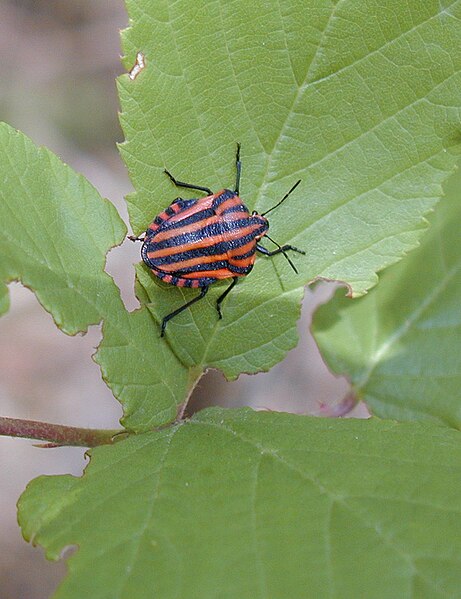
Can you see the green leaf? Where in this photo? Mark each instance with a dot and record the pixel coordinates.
(359, 99)
(259, 505)
(142, 371)
(400, 345)
(4, 299)
(55, 233)
(246, 342)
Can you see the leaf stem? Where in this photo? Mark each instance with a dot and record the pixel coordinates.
(341, 409)
(56, 435)
(195, 374)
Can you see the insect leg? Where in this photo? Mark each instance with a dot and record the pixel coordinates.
(224, 295)
(188, 185)
(179, 310)
(134, 238)
(281, 249)
(238, 166)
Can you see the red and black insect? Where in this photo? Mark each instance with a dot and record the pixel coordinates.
(194, 243)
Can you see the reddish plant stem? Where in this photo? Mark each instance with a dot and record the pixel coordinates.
(56, 435)
(346, 405)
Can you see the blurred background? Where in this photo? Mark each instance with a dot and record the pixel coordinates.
(59, 61)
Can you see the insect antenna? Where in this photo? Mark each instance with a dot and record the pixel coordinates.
(282, 250)
(282, 200)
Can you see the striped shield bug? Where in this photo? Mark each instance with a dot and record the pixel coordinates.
(196, 242)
